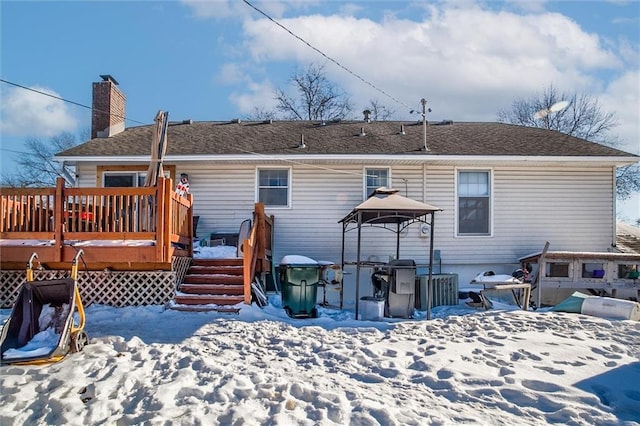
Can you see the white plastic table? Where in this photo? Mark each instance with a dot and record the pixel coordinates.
(505, 285)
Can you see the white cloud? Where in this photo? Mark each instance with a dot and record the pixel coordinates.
(27, 113)
(239, 9)
(217, 8)
(529, 5)
(350, 9)
(230, 73)
(622, 96)
(468, 62)
(256, 95)
(630, 52)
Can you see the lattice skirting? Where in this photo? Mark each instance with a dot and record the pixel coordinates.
(113, 288)
(180, 266)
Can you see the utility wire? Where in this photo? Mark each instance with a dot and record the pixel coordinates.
(246, 152)
(327, 56)
(15, 152)
(271, 157)
(71, 102)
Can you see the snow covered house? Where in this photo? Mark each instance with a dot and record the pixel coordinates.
(504, 190)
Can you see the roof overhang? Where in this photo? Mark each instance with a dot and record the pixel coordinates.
(369, 158)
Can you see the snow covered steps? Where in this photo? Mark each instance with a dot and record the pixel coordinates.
(211, 284)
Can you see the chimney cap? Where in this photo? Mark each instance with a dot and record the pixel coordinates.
(108, 77)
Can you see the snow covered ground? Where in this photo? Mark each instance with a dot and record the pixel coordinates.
(149, 365)
(503, 366)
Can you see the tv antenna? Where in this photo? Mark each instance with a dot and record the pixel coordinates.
(423, 101)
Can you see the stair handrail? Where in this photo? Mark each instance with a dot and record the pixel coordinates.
(257, 247)
(250, 257)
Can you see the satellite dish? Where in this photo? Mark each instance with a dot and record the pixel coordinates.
(541, 114)
(559, 106)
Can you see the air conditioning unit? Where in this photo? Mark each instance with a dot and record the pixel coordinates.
(444, 291)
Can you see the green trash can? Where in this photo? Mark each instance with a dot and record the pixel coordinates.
(299, 279)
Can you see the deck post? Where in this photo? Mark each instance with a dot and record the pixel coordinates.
(247, 256)
(159, 216)
(58, 219)
(190, 223)
(260, 231)
(168, 221)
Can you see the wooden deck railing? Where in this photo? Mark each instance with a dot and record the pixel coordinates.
(257, 250)
(61, 215)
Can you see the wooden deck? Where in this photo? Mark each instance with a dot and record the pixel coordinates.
(118, 228)
(137, 243)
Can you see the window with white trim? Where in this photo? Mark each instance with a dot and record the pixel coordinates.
(273, 187)
(126, 180)
(374, 178)
(474, 202)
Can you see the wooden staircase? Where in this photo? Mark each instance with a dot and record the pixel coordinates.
(219, 284)
(211, 284)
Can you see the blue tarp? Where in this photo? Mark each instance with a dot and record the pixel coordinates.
(571, 304)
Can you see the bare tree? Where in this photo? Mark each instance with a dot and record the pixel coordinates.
(260, 114)
(36, 167)
(627, 181)
(582, 117)
(318, 98)
(379, 112)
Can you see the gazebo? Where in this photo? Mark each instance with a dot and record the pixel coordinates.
(387, 209)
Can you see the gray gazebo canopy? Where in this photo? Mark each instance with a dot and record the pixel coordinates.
(388, 209)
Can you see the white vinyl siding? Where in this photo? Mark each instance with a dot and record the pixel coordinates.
(86, 175)
(571, 207)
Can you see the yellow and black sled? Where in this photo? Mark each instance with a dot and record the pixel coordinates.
(42, 328)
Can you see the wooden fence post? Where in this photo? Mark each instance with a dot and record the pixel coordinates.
(190, 223)
(168, 221)
(159, 216)
(58, 219)
(260, 234)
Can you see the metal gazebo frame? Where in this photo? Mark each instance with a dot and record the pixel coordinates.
(386, 207)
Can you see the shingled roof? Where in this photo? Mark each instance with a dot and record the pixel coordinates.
(627, 238)
(345, 138)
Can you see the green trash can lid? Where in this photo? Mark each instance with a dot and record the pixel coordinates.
(297, 260)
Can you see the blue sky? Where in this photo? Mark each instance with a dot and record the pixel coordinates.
(217, 60)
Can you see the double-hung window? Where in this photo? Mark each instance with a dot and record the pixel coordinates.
(374, 178)
(474, 202)
(274, 187)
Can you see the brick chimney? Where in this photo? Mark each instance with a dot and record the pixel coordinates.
(108, 108)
